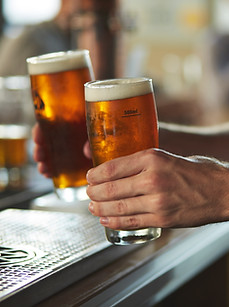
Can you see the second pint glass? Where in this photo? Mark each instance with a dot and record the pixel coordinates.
(122, 119)
(57, 83)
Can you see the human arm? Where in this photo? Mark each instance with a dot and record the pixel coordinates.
(166, 190)
(156, 189)
(178, 139)
(210, 141)
(159, 189)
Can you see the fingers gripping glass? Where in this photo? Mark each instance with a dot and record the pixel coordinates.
(117, 110)
(57, 83)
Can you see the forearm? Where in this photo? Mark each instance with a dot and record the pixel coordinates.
(184, 140)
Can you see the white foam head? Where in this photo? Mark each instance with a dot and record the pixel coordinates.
(14, 131)
(58, 61)
(114, 89)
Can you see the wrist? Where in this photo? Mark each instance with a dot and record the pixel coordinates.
(223, 193)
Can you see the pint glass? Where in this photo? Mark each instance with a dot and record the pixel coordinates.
(121, 119)
(57, 83)
(16, 115)
(13, 155)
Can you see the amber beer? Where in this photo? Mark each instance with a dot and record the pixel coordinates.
(13, 154)
(57, 82)
(122, 119)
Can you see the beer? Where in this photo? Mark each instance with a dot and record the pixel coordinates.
(13, 155)
(57, 82)
(121, 119)
(13, 152)
(122, 126)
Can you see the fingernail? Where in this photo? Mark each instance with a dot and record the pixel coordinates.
(104, 220)
(91, 207)
(87, 175)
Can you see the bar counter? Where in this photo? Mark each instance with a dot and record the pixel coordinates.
(144, 275)
(153, 271)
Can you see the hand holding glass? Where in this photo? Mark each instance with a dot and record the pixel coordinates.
(57, 82)
(121, 119)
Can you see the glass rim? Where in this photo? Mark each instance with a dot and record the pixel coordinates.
(56, 56)
(116, 82)
(59, 62)
(119, 88)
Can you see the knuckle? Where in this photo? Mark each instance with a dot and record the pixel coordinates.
(121, 207)
(130, 222)
(133, 222)
(90, 193)
(115, 223)
(110, 190)
(155, 158)
(150, 182)
(161, 203)
(98, 209)
(164, 215)
(150, 156)
(109, 169)
(165, 221)
(156, 182)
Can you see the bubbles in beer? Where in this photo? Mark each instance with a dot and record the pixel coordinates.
(120, 126)
(57, 82)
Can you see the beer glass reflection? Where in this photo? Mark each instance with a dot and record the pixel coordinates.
(57, 82)
(121, 119)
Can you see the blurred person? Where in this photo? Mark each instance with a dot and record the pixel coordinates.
(156, 188)
(213, 50)
(82, 24)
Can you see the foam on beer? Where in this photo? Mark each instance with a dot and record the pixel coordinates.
(114, 89)
(14, 132)
(58, 61)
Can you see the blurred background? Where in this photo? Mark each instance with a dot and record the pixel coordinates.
(182, 45)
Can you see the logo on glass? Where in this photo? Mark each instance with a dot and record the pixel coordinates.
(38, 102)
(131, 112)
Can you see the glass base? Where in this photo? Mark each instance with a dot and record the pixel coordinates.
(71, 194)
(124, 237)
(12, 177)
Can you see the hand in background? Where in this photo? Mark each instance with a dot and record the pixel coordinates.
(40, 152)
